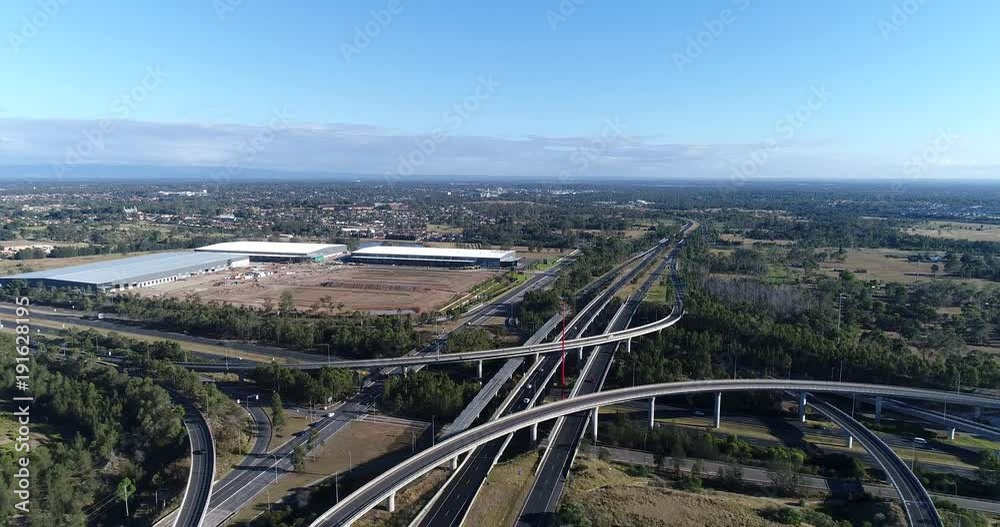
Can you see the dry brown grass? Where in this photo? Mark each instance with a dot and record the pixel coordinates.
(887, 265)
(612, 498)
(409, 501)
(502, 496)
(365, 441)
(959, 231)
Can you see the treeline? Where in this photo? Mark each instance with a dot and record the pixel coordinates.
(357, 335)
(679, 443)
(427, 395)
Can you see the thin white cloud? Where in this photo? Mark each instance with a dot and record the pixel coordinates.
(365, 149)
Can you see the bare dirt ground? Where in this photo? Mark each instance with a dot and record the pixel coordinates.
(331, 288)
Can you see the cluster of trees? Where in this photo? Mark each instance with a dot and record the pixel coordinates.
(599, 257)
(105, 415)
(536, 307)
(679, 443)
(305, 387)
(427, 395)
(740, 261)
(470, 339)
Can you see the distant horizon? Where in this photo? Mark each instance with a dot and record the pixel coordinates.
(188, 175)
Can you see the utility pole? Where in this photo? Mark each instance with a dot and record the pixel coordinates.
(563, 348)
(840, 306)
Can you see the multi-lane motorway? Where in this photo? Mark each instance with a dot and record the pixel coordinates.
(355, 505)
(554, 468)
(452, 504)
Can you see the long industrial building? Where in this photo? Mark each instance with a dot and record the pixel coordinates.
(279, 251)
(133, 272)
(435, 256)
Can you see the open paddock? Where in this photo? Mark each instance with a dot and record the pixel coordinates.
(976, 232)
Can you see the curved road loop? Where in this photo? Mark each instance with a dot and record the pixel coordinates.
(368, 496)
(917, 503)
(199, 487)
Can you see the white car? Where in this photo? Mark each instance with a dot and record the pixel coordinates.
(526, 400)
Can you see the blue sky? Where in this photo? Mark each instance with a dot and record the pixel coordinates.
(565, 89)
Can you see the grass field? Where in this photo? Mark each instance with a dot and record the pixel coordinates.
(658, 293)
(502, 496)
(957, 230)
(611, 497)
(365, 441)
(888, 265)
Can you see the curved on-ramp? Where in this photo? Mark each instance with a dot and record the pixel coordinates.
(355, 505)
(201, 476)
(917, 503)
(499, 353)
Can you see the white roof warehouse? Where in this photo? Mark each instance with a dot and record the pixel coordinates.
(279, 251)
(435, 256)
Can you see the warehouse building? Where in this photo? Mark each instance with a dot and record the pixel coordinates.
(287, 252)
(435, 257)
(133, 272)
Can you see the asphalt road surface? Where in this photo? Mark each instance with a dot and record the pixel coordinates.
(452, 505)
(551, 477)
(363, 499)
(916, 502)
(199, 488)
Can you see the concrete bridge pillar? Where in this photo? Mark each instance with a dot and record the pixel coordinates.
(593, 423)
(392, 502)
(951, 434)
(454, 463)
(534, 433)
(479, 370)
(850, 442)
(628, 346)
(878, 408)
(718, 409)
(802, 407)
(579, 355)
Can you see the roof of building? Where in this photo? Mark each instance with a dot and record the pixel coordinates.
(275, 248)
(433, 252)
(130, 269)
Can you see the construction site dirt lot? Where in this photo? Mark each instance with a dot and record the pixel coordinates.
(330, 288)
